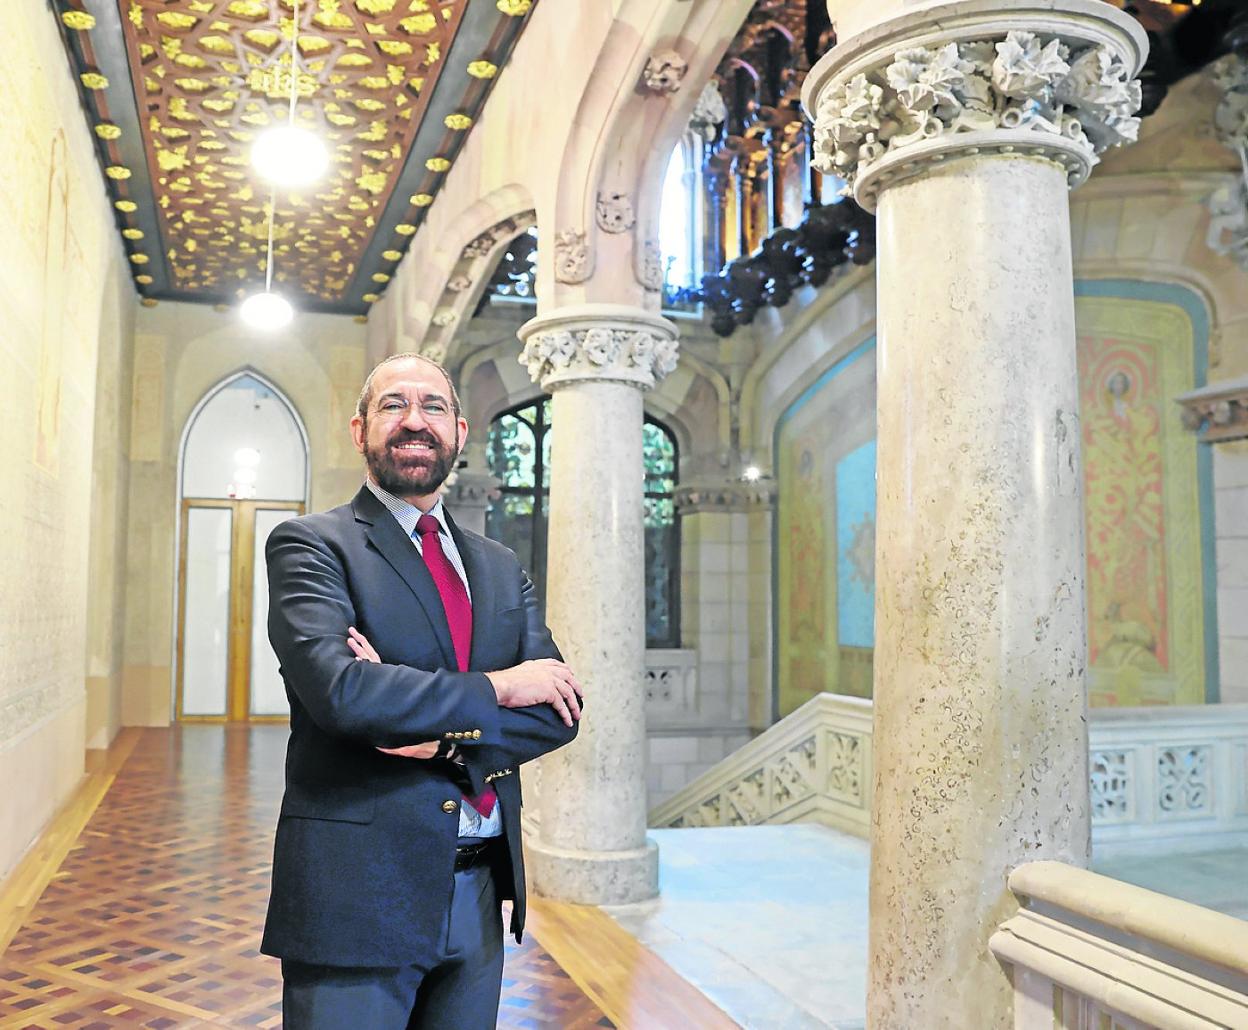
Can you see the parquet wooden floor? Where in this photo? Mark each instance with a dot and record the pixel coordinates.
(154, 917)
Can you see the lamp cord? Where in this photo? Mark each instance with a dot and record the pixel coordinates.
(290, 122)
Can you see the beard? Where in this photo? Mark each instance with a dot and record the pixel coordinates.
(407, 473)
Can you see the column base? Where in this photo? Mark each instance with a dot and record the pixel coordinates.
(594, 877)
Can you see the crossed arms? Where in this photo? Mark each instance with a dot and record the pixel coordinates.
(522, 711)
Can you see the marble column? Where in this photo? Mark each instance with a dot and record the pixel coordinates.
(474, 487)
(964, 125)
(596, 360)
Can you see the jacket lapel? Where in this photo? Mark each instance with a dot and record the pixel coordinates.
(480, 586)
(386, 535)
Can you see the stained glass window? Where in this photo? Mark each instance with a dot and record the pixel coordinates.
(518, 451)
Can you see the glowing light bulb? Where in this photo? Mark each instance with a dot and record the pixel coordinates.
(266, 311)
(751, 473)
(290, 156)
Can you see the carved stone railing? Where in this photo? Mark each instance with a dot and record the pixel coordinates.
(1088, 952)
(1168, 779)
(813, 766)
(671, 683)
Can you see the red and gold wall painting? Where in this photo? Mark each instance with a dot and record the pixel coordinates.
(1142, 500)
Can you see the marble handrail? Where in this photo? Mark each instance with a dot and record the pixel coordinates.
(1087, 944)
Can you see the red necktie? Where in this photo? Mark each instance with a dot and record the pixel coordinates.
(458, 609)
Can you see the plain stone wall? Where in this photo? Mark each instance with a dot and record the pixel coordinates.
(64, 293)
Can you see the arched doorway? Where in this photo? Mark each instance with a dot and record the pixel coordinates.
(243, 468)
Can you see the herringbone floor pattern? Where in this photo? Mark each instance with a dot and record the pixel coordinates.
(153, 920)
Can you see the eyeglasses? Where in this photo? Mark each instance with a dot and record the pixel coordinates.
(395, 409)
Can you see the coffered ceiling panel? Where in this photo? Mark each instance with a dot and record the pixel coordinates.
(178, 90)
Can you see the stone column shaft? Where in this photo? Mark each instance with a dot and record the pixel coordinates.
(966, 123)
(596, 360)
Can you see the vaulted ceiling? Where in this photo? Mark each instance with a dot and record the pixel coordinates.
(177, 90)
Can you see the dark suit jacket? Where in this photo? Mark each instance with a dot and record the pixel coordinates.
(364, 853)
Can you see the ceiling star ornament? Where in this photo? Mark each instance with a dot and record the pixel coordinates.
(392, 255)
(79, 21)
(143, 280)
(405, 229)
(370, 298)
(126, 206)
(118, 172)
(482, 69)
(140, 259)
(515, 8)
(438, 164)
(422, 199)
(132, 234)
(108, 131)
(457, 121)
(94, 80)
(380, 277)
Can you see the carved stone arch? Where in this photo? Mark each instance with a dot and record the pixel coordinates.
(801, 351)
(417, 298)
(466, 282)
(634, 127)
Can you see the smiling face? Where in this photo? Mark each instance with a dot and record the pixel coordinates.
(410, 435)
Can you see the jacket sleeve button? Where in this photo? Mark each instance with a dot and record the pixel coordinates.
(449, 806)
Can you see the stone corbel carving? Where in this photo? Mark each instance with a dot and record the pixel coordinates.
(1228, 222)
(572, 258)
(1228, 205)
(664, 72)
(709, 113)
(1230, 117)
(480, 246)
(650, 266)
(615, 212)
(443, 317)
(1021, 92)
(459, 283)
(1219, 411)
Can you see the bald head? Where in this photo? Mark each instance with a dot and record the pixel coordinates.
(366, 394)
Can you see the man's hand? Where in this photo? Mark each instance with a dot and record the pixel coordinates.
(541, 681)
(364, 652)
(428, 750)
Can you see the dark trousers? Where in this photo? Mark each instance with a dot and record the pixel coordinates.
(460, 992)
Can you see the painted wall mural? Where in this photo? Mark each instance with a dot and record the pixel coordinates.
(1147, 500)
(825, 458)
(1142, 500)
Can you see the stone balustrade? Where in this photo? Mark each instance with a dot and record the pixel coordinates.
(813, 766)
(1090, 951)
(1161, 778)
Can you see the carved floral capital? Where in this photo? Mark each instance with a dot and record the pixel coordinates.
(599, 341)
(1054, 81)
(730, 496)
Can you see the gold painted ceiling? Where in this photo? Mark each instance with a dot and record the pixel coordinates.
(179, 89)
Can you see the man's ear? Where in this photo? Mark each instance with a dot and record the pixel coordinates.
(462, 425)
(358, 430)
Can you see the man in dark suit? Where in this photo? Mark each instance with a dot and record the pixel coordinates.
(421, 676)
